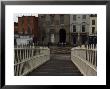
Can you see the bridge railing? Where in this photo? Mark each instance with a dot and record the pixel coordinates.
(85, 58)
(28, 58)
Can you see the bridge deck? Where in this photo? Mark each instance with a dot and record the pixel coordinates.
(58, 65)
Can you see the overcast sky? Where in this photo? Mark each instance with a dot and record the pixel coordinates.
(25, 14)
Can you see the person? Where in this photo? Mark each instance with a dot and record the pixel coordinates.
(34, 40)
(48, 44)
(15, 43)
(95, 41)
(86, 43)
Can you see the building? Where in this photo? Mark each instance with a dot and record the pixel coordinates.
(57, 29)
(27, 30)
(93, 29)
(15, 32)
(15, 27)
(79, 28)
(54, 28)
(28, 25)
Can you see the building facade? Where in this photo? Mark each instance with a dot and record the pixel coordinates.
(93, 29)
(28, 25)
(79, 28)
(55, 28)
(27, 28)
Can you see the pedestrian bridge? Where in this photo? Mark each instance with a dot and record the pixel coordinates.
(55, 61)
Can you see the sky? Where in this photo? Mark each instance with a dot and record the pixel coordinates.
(16, 15)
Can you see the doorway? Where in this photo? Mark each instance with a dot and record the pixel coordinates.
(62, 36)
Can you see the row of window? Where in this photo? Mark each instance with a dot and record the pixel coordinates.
(83, 17)
(74, 18)
(83, 29)
(28, 30)
(61, 19)
(74, 28)
(28, 20)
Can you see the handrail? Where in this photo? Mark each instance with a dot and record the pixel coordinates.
(85, 58)
(27, 58)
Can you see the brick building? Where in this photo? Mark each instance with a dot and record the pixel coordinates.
(15, 27)
(27, 27)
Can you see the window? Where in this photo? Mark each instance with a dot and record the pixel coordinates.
(52, 18)
(61, 19)
(84, 17)
(29, 30)
(74, 17)
(22, 31)
(22, 27)
(28, 20)
(57, 22)
(74, 28)
(22, 20)
(93, 22)
(93, 30)
(83, 28)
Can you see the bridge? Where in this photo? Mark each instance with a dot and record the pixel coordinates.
(55, 61)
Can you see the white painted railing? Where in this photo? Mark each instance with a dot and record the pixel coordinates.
(85, 58)
(28, 58)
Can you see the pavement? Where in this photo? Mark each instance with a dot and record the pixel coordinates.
(58, 65)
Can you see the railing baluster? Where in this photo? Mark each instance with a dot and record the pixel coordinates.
(21, 65)
(92, 55)
(95, 58)
(17, 62)
(27, 50)
(23, 54)
(15, 68)
(88, 53)
(20, 59)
